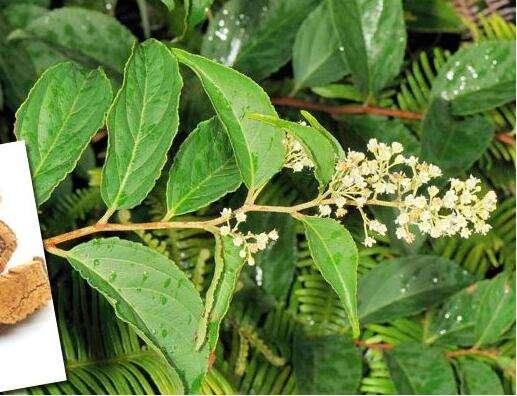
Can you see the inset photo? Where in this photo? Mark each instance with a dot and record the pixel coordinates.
(30, 352)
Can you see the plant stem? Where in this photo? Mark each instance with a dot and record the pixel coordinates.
(144, 17)
(347, 109)
(489, 353)
(365, 109)
(104, 226)
(506, 138)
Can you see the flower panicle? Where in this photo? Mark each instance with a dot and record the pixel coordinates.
(384, 176)
(296, 157)
(249, 243)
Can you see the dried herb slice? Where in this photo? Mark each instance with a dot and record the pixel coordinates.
(23, 290)
(7, 244)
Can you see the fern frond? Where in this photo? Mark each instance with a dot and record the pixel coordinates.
(318, 305)
(76, 206)
(104, 355)
(415, 88)
(252, 337)
(470, 10)
(259, 348)
(202, 269)
(262, 378)
(185, 245)
(216, 384)
(153, 242)
(399, 330)
(378, 380)
(491, 27)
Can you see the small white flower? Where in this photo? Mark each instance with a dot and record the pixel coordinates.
(377, 226)
(396, 148)
(369, 242)
(340, 212)
(340, 202)
(262, 240)
(226, 212)
(372, 145)
(434, 171)
(325, 210)
(240, 217)
(238, 240)
(225, 230)
(273, 235)
(433, 191)
(297, 166)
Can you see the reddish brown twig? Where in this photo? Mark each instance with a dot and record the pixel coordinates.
(355, 109)
(489, 353)
(380, 346)
(347, 109)
(505, 138)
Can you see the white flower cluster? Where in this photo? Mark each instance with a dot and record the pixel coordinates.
(359, 180)
(296, 158)
(460, 211)
(249, 243)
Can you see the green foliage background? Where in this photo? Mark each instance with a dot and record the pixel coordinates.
(437, 316)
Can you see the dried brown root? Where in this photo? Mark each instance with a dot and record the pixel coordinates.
(7, 244)
(23, 290)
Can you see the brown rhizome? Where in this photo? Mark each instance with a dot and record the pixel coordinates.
(23, 289)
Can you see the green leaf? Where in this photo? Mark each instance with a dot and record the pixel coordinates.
(258, 148)
(406, 286)
(416, 369)
(19, 15)
(64, 109)
(480, 314)
(89, 37)
(169, 4)
(152, 294)
(453, 144)
(335, 255)
(316, 57)
(204, 170)
(496, 311)
(478, 77)
(228, 265)
(454, 322)
(338, 91)
(373, 36)
(197, 12)
(39, 54)
(478, 378)
(142, 123)
(317, 143)
(326, 365)
(17, 73)
(432, 16)
(186, 14)
(256, 36)
(313, 122)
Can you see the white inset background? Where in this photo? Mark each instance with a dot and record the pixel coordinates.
(30, 352)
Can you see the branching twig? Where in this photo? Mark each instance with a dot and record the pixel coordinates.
(206, 224)
(380, 346)
(347, 109)
(355, 109)
(505, 138)
(489, 353)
